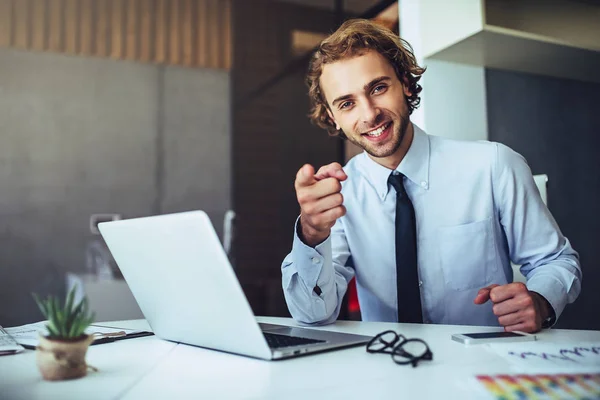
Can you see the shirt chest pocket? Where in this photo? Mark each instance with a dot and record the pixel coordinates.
(467, 254)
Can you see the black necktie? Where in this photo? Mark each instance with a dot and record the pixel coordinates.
(407, 280)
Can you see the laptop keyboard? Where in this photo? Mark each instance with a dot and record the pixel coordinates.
(276, 341)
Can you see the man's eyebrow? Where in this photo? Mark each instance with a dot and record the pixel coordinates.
(376, 81)
(366, 87)
(341, 98)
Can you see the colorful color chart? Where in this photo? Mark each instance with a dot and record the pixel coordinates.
(559, 386)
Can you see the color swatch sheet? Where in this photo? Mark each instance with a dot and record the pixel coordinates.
(542, 386)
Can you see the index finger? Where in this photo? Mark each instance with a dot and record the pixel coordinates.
(505, 292)
(483, 295)
(333, 170)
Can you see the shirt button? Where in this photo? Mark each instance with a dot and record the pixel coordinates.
(424, 184)
(315, 260)
(317, 290)
(420, 283)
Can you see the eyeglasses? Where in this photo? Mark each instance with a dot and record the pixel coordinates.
(403, 350)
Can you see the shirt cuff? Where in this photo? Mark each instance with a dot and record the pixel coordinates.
(553, 291)
(310, 261)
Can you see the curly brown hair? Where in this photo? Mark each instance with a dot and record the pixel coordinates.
(355, 37)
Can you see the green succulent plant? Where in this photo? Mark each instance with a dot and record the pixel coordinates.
(66, 322)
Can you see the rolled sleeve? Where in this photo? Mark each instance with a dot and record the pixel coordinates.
(552, 290)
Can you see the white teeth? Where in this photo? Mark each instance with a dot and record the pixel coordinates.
(378, 131)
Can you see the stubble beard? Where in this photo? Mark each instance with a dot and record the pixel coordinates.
(389, 148)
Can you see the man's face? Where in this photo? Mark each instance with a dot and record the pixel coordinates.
(367, 101)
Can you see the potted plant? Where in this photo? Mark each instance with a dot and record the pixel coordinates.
(61, 353)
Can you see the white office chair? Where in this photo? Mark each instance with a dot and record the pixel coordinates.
(541, 181)
(229, 235)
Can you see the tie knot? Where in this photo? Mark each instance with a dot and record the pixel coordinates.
(396, 180)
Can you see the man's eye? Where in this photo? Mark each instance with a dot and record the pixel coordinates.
(379, 89)
(345, 104)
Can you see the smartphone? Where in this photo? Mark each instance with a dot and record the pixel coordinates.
(493, 337)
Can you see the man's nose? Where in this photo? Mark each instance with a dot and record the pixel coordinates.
(370, 112)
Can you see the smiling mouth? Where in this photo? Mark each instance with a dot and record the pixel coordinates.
(377, 132)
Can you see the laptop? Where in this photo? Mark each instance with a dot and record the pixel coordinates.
(184, 284)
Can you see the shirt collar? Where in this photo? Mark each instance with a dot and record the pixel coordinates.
(414, 165)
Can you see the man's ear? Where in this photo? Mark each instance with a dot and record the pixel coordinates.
(405, 87)
(337, 126)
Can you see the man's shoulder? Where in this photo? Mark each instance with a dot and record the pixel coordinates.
(355, 170)
(475, 156)
(357, 159)
(460, 145)
(467, 152)
(353, 166)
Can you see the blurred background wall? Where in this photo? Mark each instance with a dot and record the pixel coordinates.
(101, 129)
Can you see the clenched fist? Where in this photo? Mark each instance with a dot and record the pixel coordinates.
(320, 199)
(517, 308)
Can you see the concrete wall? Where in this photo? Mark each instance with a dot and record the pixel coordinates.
(454, 100)
(80, 136)
(197, 144)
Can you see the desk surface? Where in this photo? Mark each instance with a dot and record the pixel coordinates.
(153, 368)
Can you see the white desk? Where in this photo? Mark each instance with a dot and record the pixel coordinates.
(148, 367)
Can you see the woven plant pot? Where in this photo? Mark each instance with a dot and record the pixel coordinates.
(62, 359)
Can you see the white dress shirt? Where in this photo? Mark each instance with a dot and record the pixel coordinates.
(477, 208)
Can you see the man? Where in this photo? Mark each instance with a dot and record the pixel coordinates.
(427, 225)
